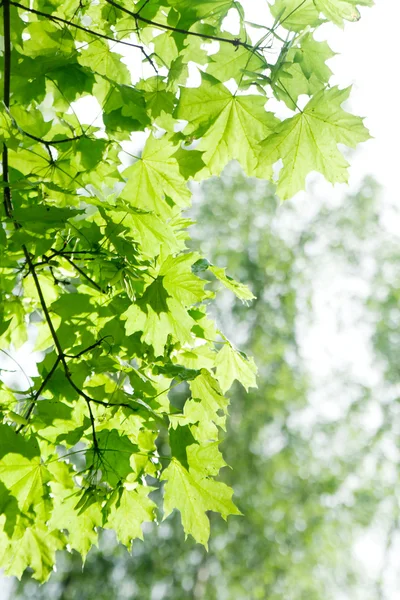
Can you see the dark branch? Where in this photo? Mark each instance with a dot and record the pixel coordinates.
(137, 16)
(71, 24)
(45, 309)
(82, 272)
(7, 200)
(61, 355)
(40, 390)
(92, 422)
(92, 347)
(51, 142)
(142, 7)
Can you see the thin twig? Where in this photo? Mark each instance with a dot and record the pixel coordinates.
(71, 24)
(142, 7)
(92, 422)
(82, 272)
(85, 29)
(40, 390)
(45, 309)
(88, 348)
(136, 15)
(51, 142)
(7, 201)
(60, 352)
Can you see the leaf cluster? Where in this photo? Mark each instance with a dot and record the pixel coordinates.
(93, 257)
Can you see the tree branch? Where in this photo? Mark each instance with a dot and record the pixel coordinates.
(92, 347)
(8, 210)
(7, 200)
(45, 309)
(137, 16)
(40, 390)
(60, 352)
(52, 142)
(85, 29)
(82, 272)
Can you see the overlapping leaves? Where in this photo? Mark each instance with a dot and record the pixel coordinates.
(93, 262)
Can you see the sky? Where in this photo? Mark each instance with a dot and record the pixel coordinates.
(367, 60)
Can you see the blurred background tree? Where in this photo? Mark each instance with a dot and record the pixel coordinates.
(314, 453)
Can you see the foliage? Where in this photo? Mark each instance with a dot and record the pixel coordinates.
(297, 531)
(94, 262)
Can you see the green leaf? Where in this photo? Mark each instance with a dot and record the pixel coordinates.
(205, 459)
(180, 282)
(239, 289)
(193, 495)
(159, 101)
(295, 14)
(127, 511)
(79, 513)
(339, 10)
(230, 126)
(22, 472)
(231, 60)
(232, 365)
(113, 456)
(45, 214)
(148, 229)
(33, 547)
(309, 142)
(203, 9)
(98, 57)
(158, 315)
(303, 72)
(156, 177)
(206, 410)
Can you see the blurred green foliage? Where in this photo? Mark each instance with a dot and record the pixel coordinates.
(306, 485)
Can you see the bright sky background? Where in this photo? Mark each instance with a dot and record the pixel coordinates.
(368, 59)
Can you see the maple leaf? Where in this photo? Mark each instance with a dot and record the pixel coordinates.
(339, 10)
(33, 546)
(207, 408)
(156, 176)
(232, 365)
(231, 61)
(94, 257)
(297, 15)
(239, 289)
(22, 472)
(74, 510)
(309, 142)
(127, 510)
(193, 495)
(303, 71)
(230, 126)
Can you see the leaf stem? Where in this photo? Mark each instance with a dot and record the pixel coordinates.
(40, 390)
(7, 200)
(51, 142)
(88, 348)
(137, 16)
(82, 272)
(71, 24)
(85, 29)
